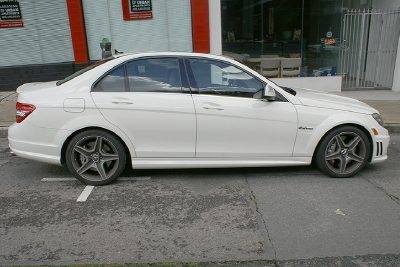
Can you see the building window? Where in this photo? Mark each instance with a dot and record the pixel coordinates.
(308, 29)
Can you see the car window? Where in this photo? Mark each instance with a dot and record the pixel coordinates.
(154, 75)
(112, 82)
(80, 72)
(219, 78)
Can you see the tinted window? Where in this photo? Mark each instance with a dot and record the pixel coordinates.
(113, 82)
(154, 75)
(214, 77)
(76, 74)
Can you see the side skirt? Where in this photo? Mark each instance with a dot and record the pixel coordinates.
(183, 163)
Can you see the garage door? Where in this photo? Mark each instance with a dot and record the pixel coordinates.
(45, 37)
(170, 29)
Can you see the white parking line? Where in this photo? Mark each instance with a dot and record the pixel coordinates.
(58, 179)
(134, 178)
(85, 194)
(89, 188)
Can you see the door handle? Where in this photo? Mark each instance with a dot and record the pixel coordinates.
(212, 106)
(121, 100)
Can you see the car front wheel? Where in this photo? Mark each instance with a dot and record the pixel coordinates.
(95, 157)
(343, 152)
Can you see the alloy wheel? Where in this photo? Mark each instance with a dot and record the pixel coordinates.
(345, 152)
(95, 158)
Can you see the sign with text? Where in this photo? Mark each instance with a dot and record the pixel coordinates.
(10, 14)
(137, 9)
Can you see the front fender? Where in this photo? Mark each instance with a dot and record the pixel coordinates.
(315, 122)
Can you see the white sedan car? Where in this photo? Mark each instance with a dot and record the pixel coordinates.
(188, 110)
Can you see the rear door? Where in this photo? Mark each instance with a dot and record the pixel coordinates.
(145, 99)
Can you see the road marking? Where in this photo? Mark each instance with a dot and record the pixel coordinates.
(89, 188)
(64, 179)
(58, 179)
(85, 194)
(144, 178)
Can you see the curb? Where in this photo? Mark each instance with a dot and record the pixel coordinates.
(393, 128)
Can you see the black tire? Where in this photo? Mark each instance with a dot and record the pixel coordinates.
(95, 157)
(343, 152)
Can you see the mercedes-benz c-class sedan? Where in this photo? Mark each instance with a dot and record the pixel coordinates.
(189, 110)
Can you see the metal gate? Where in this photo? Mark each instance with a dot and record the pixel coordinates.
(369, 48)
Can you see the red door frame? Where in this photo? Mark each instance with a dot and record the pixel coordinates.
(200, 28)
(78, 33)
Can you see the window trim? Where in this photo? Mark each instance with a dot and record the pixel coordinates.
(84, 70)
(185, 85)
(196, 89)
(187, 79)
(192, 79)
(92, 89)
(127, 89)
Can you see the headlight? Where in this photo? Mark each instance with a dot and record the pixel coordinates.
(378, 118)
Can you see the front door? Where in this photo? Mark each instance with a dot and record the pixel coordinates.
(233, 120)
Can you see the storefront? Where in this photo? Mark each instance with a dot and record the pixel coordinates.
(352, 43)
(48, 40)
(45, 40)
(306, 29)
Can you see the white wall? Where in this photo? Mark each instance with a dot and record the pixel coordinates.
(396, 79)
(214, 7)
(385, 4)
(390, 4)
(325, 83)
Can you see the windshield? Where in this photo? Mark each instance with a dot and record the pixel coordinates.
(79, 72)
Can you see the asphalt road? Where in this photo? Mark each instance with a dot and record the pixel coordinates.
(219, 217)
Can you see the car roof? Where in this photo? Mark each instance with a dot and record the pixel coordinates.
(177, 54)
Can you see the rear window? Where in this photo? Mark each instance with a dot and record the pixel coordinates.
(92, 66)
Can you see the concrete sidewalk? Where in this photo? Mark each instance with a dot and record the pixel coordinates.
(7, 108)
(386, 102)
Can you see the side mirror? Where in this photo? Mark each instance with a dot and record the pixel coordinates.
(269, 93)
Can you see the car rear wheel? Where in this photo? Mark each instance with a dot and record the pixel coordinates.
(343, 152)
(95, 157)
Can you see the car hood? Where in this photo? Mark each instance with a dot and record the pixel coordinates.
(29, 87)
(326, 100)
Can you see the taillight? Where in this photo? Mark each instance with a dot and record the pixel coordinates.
(23, 111)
